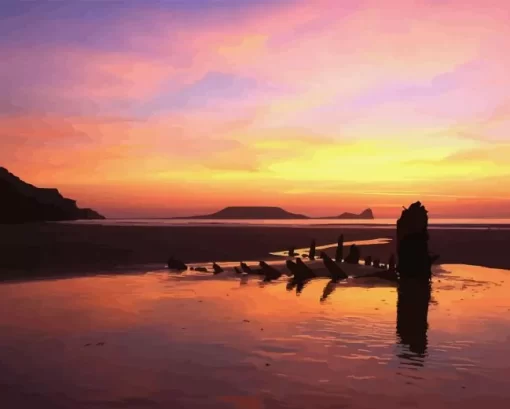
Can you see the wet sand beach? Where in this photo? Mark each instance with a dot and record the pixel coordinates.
(35, 250)
(165, 340)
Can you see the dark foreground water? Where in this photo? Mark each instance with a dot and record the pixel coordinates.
(183, 341)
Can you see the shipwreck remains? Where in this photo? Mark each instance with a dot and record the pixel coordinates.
(414, 260)
(334, 269)
(354, 255)
(339, 255)
(270, 273)
(312, 250)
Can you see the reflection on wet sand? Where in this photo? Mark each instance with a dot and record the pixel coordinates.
(151, 339)
(412, 317)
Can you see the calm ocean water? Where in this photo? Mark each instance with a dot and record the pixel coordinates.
(435, 223)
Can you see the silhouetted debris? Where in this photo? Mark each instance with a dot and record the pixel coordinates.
(292, 251)
(335, 270)
(368, 260)
(312, 250)
(202, 269)
(392, 263)
(292, 267)
(249, 270)
(270, 273)
(174, 264)
(217, 269)
(414, 259)
(237, 270)
(376, 263)
(354, 255)
(301, 275)
(305, 271)
(339, 255)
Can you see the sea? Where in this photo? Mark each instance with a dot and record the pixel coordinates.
(479, 223)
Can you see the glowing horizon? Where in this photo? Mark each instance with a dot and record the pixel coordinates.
(158, 109)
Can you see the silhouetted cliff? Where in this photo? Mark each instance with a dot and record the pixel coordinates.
(250, 212)
(22, 202)
(364, 215)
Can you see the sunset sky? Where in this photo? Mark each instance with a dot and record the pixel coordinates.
(163, 108)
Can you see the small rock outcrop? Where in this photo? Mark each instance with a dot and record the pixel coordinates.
(217, 269)
(175, 264)
(354, 255)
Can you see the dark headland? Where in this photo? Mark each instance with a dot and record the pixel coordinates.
(22, 202)
(271, 213)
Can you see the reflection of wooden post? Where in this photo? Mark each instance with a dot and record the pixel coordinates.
(339, 255)
(292, 252)
(312, 250)
(412, 243)
(412, 312)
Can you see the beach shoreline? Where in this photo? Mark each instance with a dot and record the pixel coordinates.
(34, 250)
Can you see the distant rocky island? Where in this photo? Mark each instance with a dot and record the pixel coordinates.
(250, 212)
(21, 202)
(364, 215)
(271, 213)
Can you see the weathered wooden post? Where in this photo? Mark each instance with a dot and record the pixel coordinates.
(354, 255)
(311, 255)
(414, 260)
(339, 255)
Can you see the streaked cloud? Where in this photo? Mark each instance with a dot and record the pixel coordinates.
(282, 97)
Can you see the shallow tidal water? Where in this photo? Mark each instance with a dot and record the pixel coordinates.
(164, 340)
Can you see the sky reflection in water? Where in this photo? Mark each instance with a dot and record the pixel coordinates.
(160, 340)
